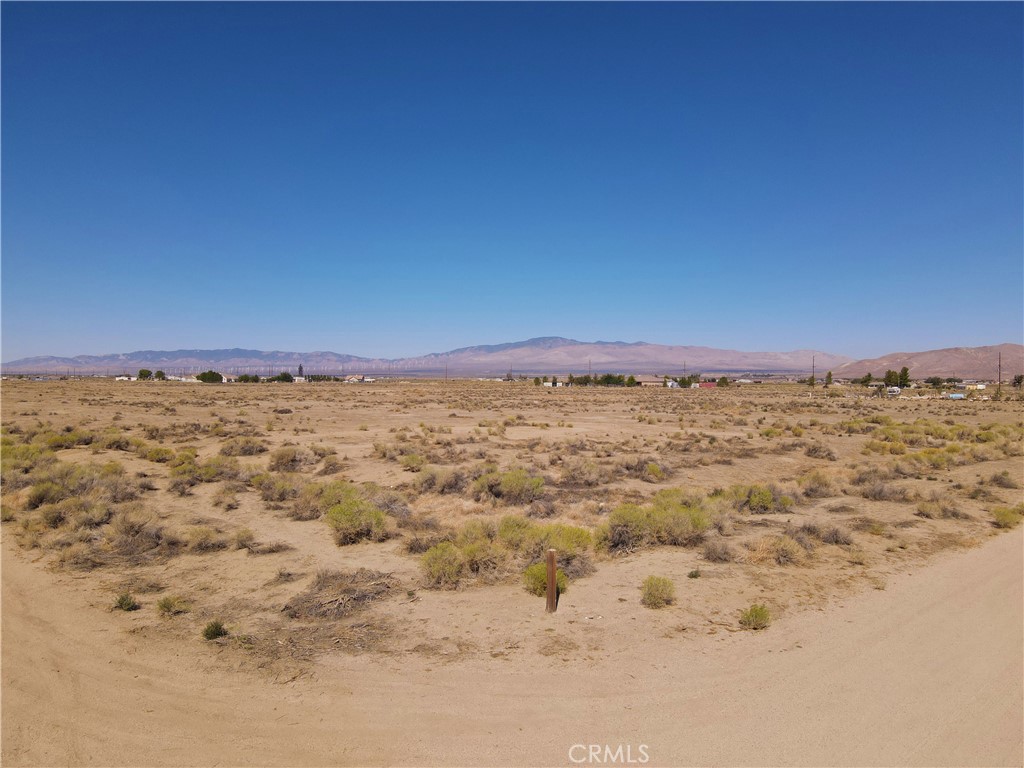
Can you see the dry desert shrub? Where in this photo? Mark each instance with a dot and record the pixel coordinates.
(203, 538)
(582, 473)
(940, 506)
(440, 480)
(718, 551)
(443, 565)
(242, 446)
(290, 458)
(819, 451)
(515, 486)
(1008, 517)
(336, 594)
(817, 485)
(780, 550)
(887, 492)
(1003, 480)
(657, 592)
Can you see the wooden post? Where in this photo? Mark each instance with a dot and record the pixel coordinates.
(552, 605)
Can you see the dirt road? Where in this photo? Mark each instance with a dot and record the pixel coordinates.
(927, 672)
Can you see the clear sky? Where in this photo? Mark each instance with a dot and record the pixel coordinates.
(397, 179)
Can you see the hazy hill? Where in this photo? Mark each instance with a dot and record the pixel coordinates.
(961, 362)
(550, 354)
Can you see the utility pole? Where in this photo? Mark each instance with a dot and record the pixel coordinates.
(812, 370)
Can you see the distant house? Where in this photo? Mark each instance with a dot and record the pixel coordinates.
(706, 385)
(646, 380)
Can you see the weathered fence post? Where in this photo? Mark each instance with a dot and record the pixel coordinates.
(552, 605)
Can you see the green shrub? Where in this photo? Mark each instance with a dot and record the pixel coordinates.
(214, 629)
(443, 565)
(126, 602)
(513, 487)
(627, 529)
(755, 617)
(356, 519)
(1008, 517)
(535, 579)
(657, 592)
(210, 377)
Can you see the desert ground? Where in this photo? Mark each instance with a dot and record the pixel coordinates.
(333, 574)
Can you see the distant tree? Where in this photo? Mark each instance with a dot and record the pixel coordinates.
(828, 379)
(810, 381)
(953, 380)
(631, 380)
(160, 376)
(1018, 381)
(145, 374)
(536, 381)
(866, 380)
(247, 378)
(892, 379)
(300, 370)
(284, 377)
(545, 379)
(554, 379)
(570, 380)
(723, 382)
(210, 377)
(904, 378)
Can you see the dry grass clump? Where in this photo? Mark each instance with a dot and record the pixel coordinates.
(817, 485)
(657, 592)
(755, 617)
(582, 473)
(819, 451)
(1003, 480)
(780, 550)
(887, 492)
(137, 537)
(643, 468)
(441, 480)
(940, 506)
(276, 489)
(203, 538)
(718, 551)
(291, 458)
(242, 446)
(336, 594)
(172, 605)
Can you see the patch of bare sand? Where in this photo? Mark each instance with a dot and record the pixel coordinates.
(927, 672)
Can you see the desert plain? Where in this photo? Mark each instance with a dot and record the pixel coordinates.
(333, 574)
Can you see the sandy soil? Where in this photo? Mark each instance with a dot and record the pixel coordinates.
(901, 646)
(927, 672)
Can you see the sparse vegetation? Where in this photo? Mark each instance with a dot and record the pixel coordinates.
(657, 592)
(755, 617)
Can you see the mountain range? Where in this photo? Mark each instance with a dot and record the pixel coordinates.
(545, 355)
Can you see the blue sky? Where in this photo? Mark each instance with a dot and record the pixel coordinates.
(397, 179)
